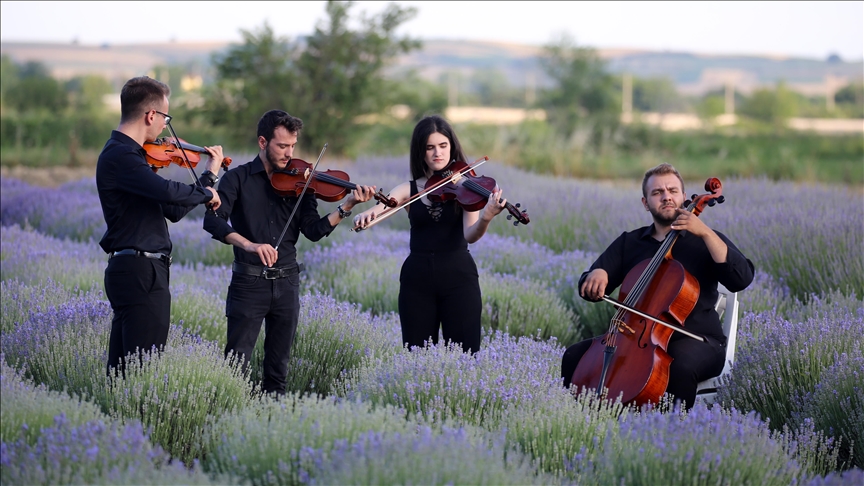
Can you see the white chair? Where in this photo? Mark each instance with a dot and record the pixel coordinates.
(727, 307)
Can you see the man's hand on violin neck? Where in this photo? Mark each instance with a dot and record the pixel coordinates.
(216, 158)
(359, 195)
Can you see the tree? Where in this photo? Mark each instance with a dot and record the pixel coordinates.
(36, 90)
(341, 72)
(582, 90)
(87, 92)
(328, 83)
(771, 105)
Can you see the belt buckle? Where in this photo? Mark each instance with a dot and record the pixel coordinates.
(271, 273)
(169, 259)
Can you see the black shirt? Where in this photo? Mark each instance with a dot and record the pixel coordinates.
(735, 274)
(259, 214)
(135, 200)
(436, 228)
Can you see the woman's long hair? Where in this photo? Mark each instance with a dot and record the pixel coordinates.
(425, 127)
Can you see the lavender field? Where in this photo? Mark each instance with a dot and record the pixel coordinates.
(363, 410)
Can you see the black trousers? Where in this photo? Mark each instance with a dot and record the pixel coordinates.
(252, 300)
(440, 291)
(692, 362)
(137, 288)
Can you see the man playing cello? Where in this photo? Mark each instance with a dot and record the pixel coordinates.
(707, 255)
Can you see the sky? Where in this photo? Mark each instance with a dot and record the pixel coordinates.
(785, 29)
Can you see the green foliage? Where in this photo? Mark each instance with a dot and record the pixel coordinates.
(174, 392)
(449, 457)
(553, 431)
(333, 79)
(657, 95)
(35, 90)
(582, 91)
(771, 105)
(25, 409)
(850, 100)
(262, 444)
(523, 307)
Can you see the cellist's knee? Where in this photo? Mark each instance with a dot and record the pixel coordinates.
(571, 358)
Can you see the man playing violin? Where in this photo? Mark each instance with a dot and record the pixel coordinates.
(135, 203)
(706, 254)
(266, 276)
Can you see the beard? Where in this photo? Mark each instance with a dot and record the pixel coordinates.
(662, 219)
(272, 159)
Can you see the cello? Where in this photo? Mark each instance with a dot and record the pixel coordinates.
(631, 358)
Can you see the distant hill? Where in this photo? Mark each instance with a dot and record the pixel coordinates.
(692, 73)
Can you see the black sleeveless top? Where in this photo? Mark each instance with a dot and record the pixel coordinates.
(436, 228)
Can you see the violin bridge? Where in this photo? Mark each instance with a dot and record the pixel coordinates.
(621, 326)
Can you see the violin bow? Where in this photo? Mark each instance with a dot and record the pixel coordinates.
(296, 205)
(185, 157)
(674, 327)
(387, 212)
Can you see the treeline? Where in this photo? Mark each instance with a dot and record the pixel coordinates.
(335, 81)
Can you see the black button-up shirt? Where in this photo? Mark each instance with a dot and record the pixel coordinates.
(735, 274)
(135, 200)
(259, 214)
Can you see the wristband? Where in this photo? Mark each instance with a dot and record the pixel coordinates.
(342, 213)
(210, 177)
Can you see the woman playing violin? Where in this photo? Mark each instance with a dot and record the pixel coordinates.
(265, 283)
(707, 255)
(439, 285)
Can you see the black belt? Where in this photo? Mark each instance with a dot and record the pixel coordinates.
(146, 254)
(268, 273)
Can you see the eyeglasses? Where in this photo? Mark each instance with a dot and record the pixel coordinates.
(167, 117)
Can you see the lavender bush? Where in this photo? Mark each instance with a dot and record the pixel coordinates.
(449, 457)
(332, 338)
(175, 391)
(700, 447)
(363, 270)
(779, 361)
(48, 209)
(31, 258)
(554, 428)
(836, 405)
(25, 409)
(522, 307)
(92, 453)
(441, 382)
(19, 301)
(264, 443)
(64, 347)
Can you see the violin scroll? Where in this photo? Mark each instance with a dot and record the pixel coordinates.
(715, 196)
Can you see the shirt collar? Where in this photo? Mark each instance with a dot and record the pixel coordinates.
(257, 165)
(125, 140)
(648, 230)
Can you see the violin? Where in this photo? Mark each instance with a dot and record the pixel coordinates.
(329, 185)
(469, 191)
(164, 151)
(658, 294)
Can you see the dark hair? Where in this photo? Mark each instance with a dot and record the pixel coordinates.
(277, 118)
(139, 95)
(661, 169)
(425, 127)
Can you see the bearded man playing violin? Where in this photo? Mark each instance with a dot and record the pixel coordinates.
(265, 283)
(135, 203)
(708, 255)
